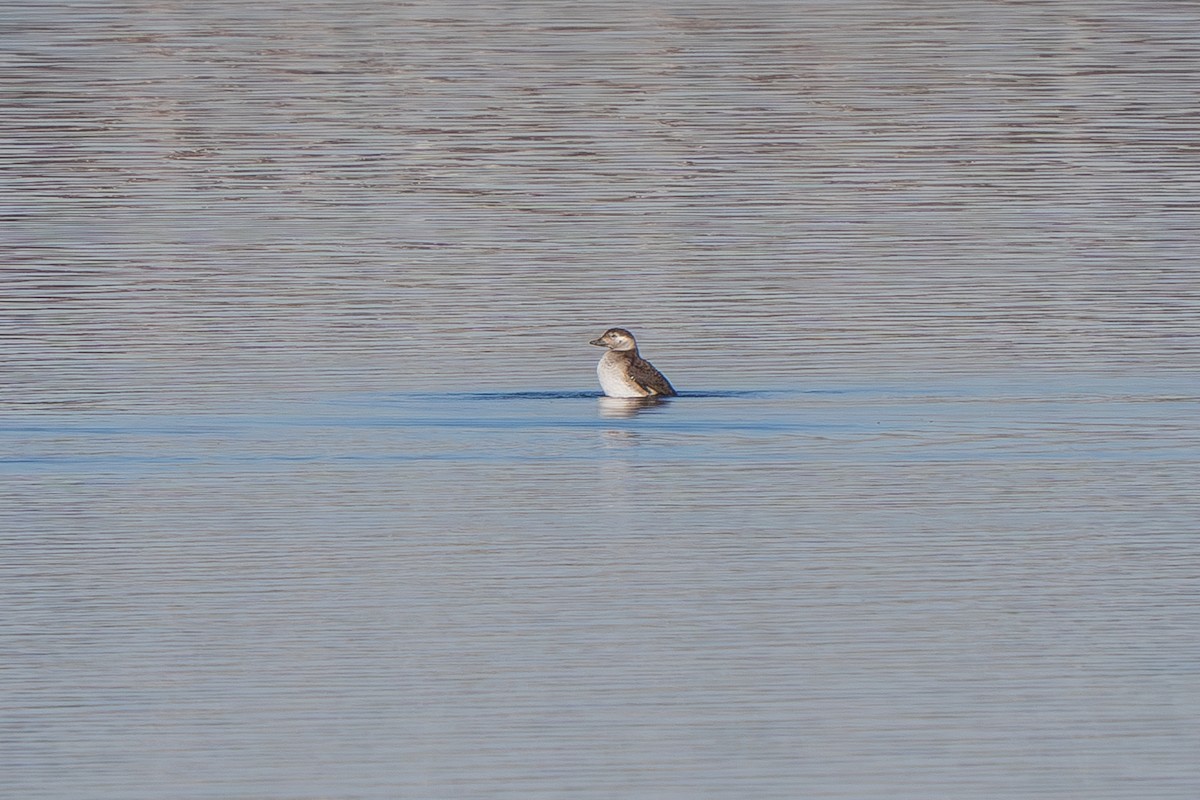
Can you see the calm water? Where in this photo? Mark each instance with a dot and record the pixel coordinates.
(307, 492)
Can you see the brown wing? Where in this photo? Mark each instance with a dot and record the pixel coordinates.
(649, 379)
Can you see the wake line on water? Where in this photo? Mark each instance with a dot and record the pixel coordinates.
(579, 395)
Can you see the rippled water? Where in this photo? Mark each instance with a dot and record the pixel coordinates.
(306, 486)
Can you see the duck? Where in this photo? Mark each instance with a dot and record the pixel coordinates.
(623, 373)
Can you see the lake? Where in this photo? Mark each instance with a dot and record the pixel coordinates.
(308, 490)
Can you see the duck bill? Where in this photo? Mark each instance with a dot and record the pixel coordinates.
(598, 342)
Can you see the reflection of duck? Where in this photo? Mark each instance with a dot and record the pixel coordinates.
(615, 407)
(623, 373)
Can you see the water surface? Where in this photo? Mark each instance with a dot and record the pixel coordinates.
(308, 490)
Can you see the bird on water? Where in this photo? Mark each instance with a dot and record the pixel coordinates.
(624, 373)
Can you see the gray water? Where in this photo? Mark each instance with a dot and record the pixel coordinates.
(307, 489)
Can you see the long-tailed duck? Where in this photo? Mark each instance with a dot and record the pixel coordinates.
(623, 373)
